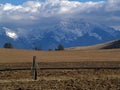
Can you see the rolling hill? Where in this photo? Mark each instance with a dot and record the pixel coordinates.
(115, 44)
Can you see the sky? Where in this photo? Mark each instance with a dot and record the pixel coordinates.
(17, 2)
(19, 13)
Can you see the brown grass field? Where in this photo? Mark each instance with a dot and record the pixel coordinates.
(82, 79)
(14, 56)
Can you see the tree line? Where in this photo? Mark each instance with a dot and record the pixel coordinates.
(58, 48)
(10, 46)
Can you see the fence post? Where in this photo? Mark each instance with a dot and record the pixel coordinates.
(34, 68)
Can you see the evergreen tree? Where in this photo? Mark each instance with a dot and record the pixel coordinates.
(60, 47)
(38, 48)
(49, 49)
(8, 45)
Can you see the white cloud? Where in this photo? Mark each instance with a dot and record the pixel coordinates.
(32, 12)
(113, 5)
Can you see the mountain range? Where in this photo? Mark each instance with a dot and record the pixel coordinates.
(68, 32)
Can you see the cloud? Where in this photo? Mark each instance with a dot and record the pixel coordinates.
(32, 12)
(113, 5)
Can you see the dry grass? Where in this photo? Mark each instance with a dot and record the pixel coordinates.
(13, 55)
(60, 79)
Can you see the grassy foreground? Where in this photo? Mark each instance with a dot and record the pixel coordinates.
(94, 79)
(61, 80)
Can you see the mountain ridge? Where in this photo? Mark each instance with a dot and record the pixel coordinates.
(68, 32)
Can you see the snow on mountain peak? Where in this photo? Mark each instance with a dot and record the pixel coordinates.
(68, 31)
(10, 33)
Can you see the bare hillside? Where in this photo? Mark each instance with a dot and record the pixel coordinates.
(109, 45)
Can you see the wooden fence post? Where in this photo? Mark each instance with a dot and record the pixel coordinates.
(34, 68)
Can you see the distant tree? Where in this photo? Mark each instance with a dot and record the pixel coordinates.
(49, 49)
(8, 45)
(38, 48)
(60, 47)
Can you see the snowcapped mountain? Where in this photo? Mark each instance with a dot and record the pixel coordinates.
(50, 33)
(6, 35)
